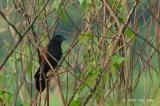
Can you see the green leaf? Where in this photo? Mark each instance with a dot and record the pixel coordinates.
(56, 4)
(117, 61)
(129, 33)
(85, 1)
(6, 97)
(92, 74)
(85, 5)
(76, 101)
(84, 38)
(110, 2)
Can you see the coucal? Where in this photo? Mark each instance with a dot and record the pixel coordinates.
(53, 55)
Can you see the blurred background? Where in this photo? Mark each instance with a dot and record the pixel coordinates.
(111, 56)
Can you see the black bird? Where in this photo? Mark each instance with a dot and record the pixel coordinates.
(54, 54)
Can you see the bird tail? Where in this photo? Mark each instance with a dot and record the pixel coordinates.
(40, 80)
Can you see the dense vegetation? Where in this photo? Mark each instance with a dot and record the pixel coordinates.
(111, 56)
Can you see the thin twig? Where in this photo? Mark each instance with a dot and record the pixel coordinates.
(22, 35)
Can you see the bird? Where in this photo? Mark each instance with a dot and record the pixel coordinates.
(53, 55)
(40, 80)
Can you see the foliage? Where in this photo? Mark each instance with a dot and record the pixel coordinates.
(111, 55)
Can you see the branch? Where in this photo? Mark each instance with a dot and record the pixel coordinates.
(22, 35)
(121, 31)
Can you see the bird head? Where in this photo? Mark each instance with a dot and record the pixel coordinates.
(59, 38)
